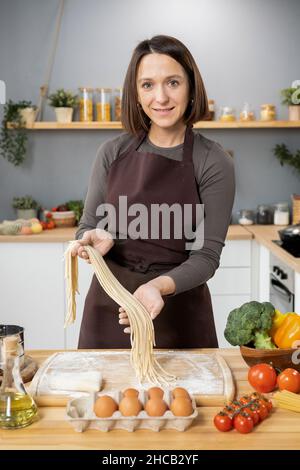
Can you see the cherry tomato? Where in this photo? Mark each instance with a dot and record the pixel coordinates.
(289, 379)
(243, 423)
(223, 422)
(267, 402)
(262, 377)
(256, 417)
(245, 400)
(51, 224)
(229, 411)
(236, 405)
(262, 411)
(255, 396)
(253, 414)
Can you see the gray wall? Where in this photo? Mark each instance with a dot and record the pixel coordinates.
(246, 51)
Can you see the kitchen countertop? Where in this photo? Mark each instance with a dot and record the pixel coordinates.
(281, 430)
(235, 232)
(264, 234)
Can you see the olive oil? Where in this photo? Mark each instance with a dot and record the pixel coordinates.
(16, 410)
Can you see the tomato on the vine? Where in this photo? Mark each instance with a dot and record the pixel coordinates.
(253, 413)
(229, 411)
(243, 423)
(262, 410)
(223, 422)
(262, 377)
(289, 379)
(268, 403)
(245, 399)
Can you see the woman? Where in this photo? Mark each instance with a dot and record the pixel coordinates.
(159, 160)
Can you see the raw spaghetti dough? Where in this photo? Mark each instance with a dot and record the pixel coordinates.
(142, 331)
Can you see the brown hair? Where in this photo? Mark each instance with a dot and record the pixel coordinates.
(133, 117)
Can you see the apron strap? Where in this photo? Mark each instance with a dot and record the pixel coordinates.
(188, 145)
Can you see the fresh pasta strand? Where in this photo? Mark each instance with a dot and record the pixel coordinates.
(142, 334)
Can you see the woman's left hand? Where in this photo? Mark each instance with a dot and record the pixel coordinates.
(150, 295)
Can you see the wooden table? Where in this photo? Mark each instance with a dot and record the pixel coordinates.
(280, 431)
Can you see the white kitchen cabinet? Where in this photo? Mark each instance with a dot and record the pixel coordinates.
(32, 292)
(231, 285)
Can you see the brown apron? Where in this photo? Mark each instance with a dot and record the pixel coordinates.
(186, 320)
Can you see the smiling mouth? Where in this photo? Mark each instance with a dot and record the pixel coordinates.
(163, 110)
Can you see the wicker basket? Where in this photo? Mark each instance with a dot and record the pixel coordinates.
(64, 219)
(296, 208)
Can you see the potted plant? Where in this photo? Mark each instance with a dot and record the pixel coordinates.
(26, 207)
(64, 103)
(286, 157)
(13, 136)
(28, 115)
(291, 98)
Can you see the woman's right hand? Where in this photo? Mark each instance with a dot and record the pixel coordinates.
(100, 239)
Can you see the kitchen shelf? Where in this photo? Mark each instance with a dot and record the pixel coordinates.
(110, 125)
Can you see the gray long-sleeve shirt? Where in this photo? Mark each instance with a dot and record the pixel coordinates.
(214, 173)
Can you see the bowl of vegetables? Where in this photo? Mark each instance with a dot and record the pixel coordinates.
(265, 335)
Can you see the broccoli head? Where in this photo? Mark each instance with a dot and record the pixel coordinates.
(245, 322)
(263, 341)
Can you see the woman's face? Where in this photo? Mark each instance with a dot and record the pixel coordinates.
(163, 89)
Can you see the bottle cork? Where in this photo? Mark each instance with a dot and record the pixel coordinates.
(10, 346)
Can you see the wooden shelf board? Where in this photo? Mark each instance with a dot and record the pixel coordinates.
(76, 125)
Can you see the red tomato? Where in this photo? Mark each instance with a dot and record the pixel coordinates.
(253, 414)
(228, 410)
(223, 422)
(243, 423)
(236, 405)
(268, 403)
(262, 377)
(256, 417)
(51, 224)
(262, 411)
(255, 396)
(245, 399)
(289, 379)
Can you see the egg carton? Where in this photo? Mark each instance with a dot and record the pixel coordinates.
(80, 414)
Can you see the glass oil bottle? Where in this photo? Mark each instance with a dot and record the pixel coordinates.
(17, 407)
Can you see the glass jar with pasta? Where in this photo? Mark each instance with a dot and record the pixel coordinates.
(118, 103)
(267, 112)
(103, 104)
(86, 104)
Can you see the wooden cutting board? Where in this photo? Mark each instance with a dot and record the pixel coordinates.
(206, 376)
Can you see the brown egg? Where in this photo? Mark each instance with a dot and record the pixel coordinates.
(131, 392)
(155, 392)
(105, 406)
(156, 407)
(130, 406)
(181, 406)
(180, 392)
